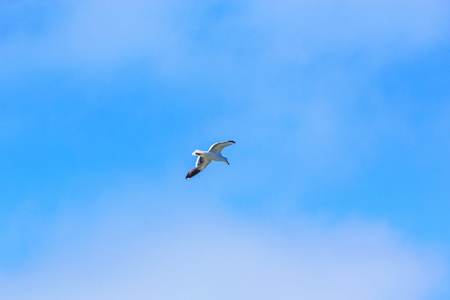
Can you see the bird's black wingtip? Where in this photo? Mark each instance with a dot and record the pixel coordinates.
(232, 142)
(192, 173)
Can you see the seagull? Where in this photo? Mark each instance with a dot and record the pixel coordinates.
(205, 157)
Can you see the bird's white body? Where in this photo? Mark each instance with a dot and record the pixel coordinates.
(205, 157)
(210, 155)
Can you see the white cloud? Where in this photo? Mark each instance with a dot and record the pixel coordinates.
(92, 38)
(152, 242)
(345, 29)
(175, 36)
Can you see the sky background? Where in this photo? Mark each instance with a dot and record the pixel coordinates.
(339, 180)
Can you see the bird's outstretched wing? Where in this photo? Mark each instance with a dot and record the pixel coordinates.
(217, 147)
(200, 165)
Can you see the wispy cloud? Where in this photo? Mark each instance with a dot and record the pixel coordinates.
(207, 255)
(173, 35)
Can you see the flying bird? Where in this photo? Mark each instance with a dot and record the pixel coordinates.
(205, 157)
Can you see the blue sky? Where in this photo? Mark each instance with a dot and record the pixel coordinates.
(339, 179)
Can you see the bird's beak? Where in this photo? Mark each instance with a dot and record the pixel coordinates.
(228, 163)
